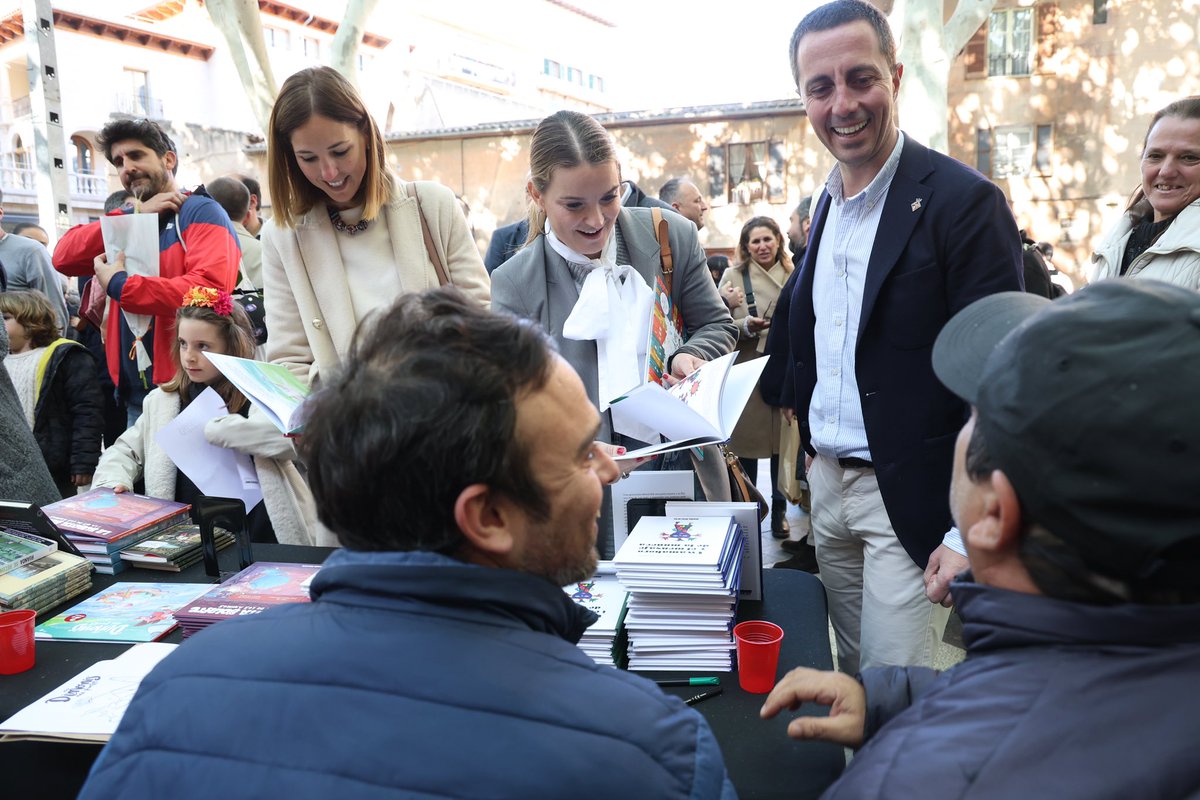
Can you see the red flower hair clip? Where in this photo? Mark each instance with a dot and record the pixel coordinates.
(207, 297)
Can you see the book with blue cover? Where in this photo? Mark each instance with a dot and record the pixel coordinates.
(124, 612)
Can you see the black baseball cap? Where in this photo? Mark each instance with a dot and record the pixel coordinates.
(1090, 404)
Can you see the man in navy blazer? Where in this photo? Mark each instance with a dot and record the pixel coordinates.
(902, 238)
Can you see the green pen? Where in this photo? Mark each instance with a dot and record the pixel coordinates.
(691, 682)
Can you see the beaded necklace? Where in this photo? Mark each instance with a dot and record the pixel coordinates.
(341, 226)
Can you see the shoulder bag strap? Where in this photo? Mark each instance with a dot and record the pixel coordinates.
(662, 234)
(443, 278)
(751, 308)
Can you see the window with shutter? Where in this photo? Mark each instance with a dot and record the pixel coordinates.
(975, 54)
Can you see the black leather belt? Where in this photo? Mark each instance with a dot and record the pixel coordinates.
(855, 463)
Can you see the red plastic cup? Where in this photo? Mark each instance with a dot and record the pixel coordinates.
(758, 643)
(16, 641)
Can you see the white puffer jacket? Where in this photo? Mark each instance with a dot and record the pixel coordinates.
(1174, 258)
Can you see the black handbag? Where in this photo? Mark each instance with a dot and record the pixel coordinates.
(251, 301)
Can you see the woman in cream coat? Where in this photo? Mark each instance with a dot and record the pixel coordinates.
(1158, 236)
(345, 240)
(764, 263)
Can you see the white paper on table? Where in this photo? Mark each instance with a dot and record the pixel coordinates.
(89, 706)
(701, 409)
(216, 471)
(662, 484)
(135, 235)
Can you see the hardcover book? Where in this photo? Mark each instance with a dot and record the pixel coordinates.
(124, 612)
(252, 591)
(18, 548)
(273, 388)
(170, 544)
(105, 515)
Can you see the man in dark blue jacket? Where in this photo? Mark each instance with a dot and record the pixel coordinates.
(455, 459)
(1075, 490)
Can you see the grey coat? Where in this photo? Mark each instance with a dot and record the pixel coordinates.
(537, 284)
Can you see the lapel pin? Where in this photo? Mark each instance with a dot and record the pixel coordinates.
(916, 204)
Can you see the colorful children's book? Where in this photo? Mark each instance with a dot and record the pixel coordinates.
(18, 548)
(39, 575)
(277, 392)
(701, 409)
(252, 591)
(105, 515)
(171, 548)
(124, 612)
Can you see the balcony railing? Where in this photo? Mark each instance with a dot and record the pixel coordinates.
(138, 105)
(80, 184)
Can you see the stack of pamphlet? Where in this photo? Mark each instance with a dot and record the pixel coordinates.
(604, 639)
(683, 575)
(174, 549)
(18, 548)
(102, 522)
(45, 583)
(252, 591)
(124, 612)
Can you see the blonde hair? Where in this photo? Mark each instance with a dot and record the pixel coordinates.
(33, 312)
(237, 336)
(324, 92)
(564, 139)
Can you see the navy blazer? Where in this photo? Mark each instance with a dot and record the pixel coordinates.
(946, 238)
(506, 241)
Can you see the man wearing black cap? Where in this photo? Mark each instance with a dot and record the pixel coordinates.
(1075, 488)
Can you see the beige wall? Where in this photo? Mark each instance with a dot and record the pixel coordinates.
(1098, 85)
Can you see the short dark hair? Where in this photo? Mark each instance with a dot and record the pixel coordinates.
(145, 131)
(252, 185)
(116, 200)
(836, 14)
(231, 194)
(425, 406)
(670, 190)
(24, 226)
(1056, 567)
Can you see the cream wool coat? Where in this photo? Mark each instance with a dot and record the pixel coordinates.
(757, 432)
(310, 317)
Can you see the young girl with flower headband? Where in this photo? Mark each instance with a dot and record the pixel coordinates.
(208, 321)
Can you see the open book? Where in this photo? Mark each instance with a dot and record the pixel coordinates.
(701, 409)
(277, 392)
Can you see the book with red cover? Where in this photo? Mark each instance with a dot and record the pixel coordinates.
(107, 516)
(252, 591)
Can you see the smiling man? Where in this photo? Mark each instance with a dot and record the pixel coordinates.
(455, 458)
(197, 246)
(902, 238)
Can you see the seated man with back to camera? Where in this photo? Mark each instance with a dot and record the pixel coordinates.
(455, 457)
(1075, 490)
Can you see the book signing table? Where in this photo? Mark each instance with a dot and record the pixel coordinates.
(762, 761)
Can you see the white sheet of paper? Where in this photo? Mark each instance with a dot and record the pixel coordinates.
(135, 235)
(89, 706)
(216, 471)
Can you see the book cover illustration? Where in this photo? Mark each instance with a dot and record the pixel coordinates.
(37, 573)
(677, 541)
(666, 332)
(167, 545)
(259, 585)
(104, 514)
(124, 612)
(603, 596)
(18, 549)
(277, 392)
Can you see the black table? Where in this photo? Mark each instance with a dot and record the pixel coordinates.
(762, 761)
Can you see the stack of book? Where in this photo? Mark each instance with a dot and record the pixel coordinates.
(18, 548)
(682, 574)
(124, 612)
(252, 591)
(101, 523)
(604, 640)
(45, 583)
(174, 549)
